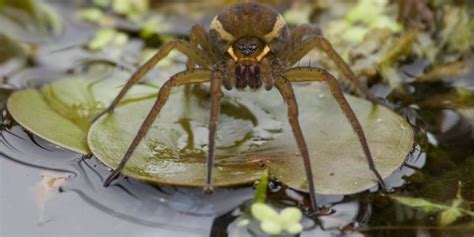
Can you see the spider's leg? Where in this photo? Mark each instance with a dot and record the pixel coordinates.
(286, 91)
(216, 94)
(196, 38)
(300, 50)
(182, 78)
(299, 33)
(296, 37)
(316, 74)
(200, 38)
(183, 46)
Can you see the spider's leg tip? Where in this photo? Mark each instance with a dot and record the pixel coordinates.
(382, 186)
(109, 110)
(381, 182)
(208, 189)
(106, 183)
(111, 178)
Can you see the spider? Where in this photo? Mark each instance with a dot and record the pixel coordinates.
(248, 46)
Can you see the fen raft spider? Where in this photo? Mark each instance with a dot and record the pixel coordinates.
(248, 46)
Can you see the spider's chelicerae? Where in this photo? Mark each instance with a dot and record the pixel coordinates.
(248, 46)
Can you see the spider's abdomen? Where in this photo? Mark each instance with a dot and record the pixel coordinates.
(247, 75)
(248, 19)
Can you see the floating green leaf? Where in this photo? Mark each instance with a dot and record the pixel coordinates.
(10, 49)
(95, 15)
(272, 222)
(253, 130)
(422, 204)
(337, 159)
(447, 214)
(62, 111)
(106, 37)
(262, 212)
(174, 150)
(28, 20)
(130, 7)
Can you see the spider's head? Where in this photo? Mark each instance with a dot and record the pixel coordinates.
(248, 50)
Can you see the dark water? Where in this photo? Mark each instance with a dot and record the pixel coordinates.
(48, 191)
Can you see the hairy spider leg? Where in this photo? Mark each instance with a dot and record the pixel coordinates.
(200, 38)
(183, 46)
(301, 74)
(299, 34)
(182, 78)
(296, 37)
(295, 53)
(216, 94)
(286, 91)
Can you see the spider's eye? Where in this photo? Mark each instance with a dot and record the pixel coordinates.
(247, 49)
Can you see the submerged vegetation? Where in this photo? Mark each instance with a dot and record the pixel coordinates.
(416, 56)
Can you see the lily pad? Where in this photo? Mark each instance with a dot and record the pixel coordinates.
(61, 112)
(337, 159)
(174, 150)
(253, 132)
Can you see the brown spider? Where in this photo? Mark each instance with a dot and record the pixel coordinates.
(248, 45)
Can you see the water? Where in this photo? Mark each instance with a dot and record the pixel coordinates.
(48, 191)
(83, 205)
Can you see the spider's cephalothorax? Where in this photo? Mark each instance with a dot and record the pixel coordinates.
(252, 20)
(248, 45)
(236, 35)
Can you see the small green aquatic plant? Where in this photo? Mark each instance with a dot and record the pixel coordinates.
(365, 16)
(271, 221)
(447, 214)
(106, 37)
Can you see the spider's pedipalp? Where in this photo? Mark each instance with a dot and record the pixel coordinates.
(229, 78)
(182, 78)
(266, 74)
(301, 74)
